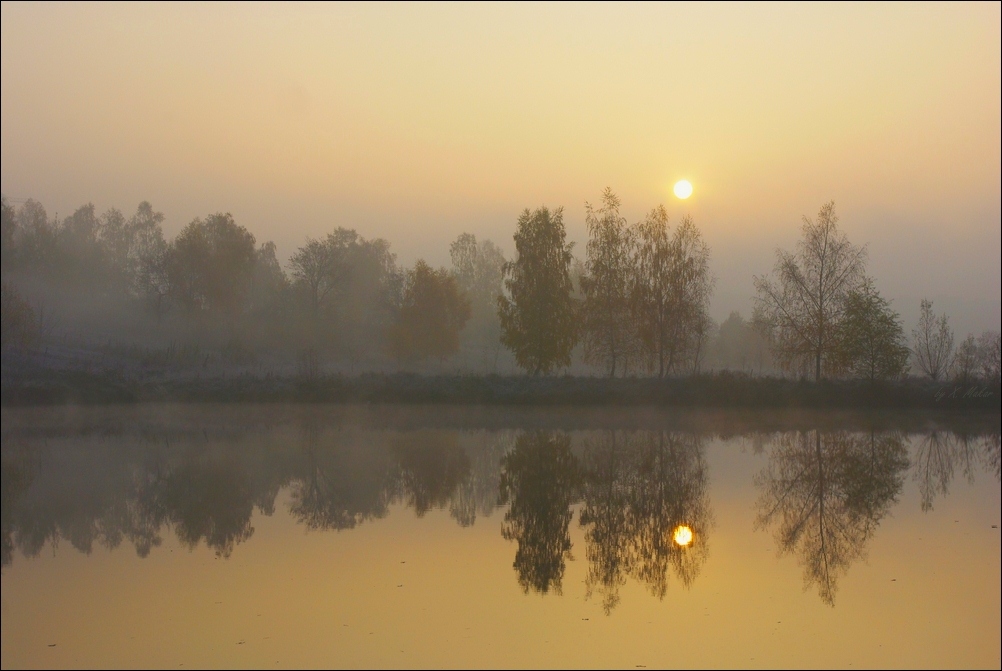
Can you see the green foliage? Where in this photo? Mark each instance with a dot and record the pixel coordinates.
(432, 314)
(538, 315)
(872, 338)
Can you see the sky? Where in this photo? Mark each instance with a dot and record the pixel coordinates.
(416, 123)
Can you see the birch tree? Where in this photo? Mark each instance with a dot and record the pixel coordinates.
(608, 330)
(803, 302)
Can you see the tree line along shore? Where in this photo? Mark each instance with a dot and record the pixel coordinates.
(105, 302)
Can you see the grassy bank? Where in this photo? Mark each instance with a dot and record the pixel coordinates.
(710, 390)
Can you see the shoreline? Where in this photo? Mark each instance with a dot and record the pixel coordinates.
(712, 390)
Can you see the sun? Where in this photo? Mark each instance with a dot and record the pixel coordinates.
(682, 535)
(683, 189)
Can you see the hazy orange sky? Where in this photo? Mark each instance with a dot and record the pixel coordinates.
(418, 122)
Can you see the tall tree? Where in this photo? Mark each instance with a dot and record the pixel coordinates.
(671, 291)
(432, 314)
(607, 328)
(804, 303)
(932, 343)
(872, 338)
(538, 314)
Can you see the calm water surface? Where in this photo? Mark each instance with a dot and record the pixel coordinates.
(174, 536)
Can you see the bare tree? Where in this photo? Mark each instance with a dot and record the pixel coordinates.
(989, 356)
(803, 304)
(932, 343)
(966, 362)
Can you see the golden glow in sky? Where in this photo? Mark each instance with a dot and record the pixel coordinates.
(683, 189)
(682, 535)
(418, 122)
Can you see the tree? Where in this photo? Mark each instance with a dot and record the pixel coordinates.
(965, 363)
(478, 268)
(538, 315)
(872, 338)
(18, 325)
(211, 265)
(314, 268)
(990, 356)
(432, 314)
(932, 343)
(607, 328)
(804, 303)
(739, 345)
(671, 291)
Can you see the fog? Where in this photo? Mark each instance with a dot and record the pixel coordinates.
(414, 124)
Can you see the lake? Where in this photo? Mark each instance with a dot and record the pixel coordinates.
(383, 536)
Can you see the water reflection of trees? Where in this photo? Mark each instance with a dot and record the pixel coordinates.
(637, 490)
(826, 493)
(939, 455)
(106, 490)
(340, 484)
(538, 482)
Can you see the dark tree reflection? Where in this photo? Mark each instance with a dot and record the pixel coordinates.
(431, 467)
(18, 470)
(606, 488)
(940, 454)
(638, 490)
(340, 483)
(671, 491)
(539, 479)
(826, 493)
(478, 492)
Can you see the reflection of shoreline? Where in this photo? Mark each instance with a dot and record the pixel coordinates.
(204, 485)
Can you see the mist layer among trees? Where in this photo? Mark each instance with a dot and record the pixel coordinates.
(109, 291)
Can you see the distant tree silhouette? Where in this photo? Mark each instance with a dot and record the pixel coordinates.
(432, 313)
(211, 265)
(478, 268)
(932, 343)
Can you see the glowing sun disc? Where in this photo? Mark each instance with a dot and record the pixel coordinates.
(683, 189)
(682, 535)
